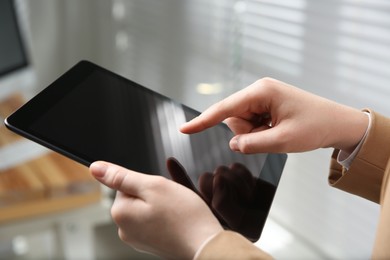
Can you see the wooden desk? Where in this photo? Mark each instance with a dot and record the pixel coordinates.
(47, 184)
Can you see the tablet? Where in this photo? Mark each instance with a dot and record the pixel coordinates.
(91, 113)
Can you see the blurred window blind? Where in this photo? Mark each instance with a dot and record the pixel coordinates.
(339, 47)
(363, 56)
(273, 36)
(172, 46)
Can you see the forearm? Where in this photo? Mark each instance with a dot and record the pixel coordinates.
(347, 127)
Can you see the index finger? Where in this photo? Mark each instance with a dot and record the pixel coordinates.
(118, 178)
(233, 105)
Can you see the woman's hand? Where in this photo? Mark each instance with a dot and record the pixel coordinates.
(272, 116)
(155, 214)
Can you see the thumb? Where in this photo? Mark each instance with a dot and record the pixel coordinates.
(117, 177)
(266, 141)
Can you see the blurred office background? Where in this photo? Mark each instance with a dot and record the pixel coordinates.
(200, 51)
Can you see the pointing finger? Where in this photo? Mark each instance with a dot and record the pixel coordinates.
(233, 105)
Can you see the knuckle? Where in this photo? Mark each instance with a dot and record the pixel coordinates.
(118, 178)
(268, 85)
(265, 82)
(246, 146)
(120, 213)
(116, 214)
(123, 236)
(158, 182)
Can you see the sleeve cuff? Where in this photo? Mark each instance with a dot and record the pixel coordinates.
(345, 159)
(203, 245)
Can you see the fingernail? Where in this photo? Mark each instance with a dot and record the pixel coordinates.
(98, 169)
(234, 143)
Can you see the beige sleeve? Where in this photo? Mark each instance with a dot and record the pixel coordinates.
(365, 175)
(231, 245)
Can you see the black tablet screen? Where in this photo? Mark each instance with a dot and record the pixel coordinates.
(99, 115)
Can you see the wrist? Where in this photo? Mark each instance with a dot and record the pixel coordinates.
(352, 128)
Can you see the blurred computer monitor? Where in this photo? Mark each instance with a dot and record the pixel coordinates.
(15, 69)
